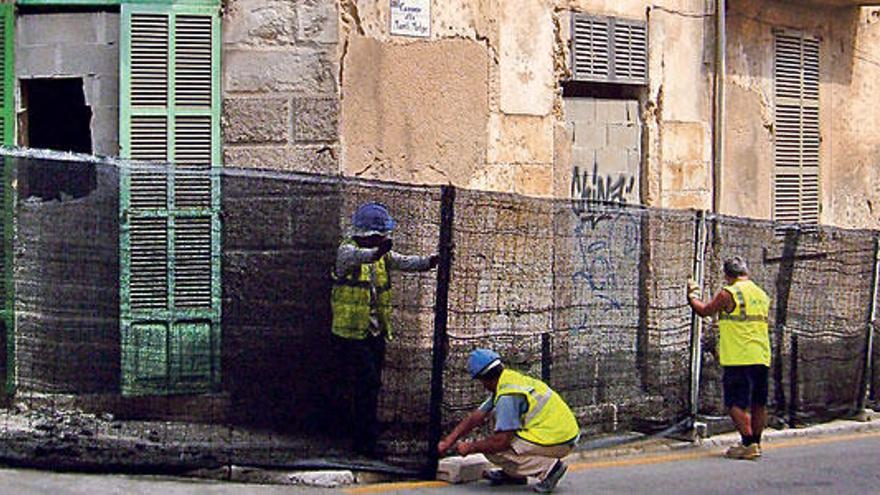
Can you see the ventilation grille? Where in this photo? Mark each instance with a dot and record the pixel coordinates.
(630, 52)
(192, 183)
(149, 59)
(149, 263)
(192, 262)
(608, 49)
(193, 61)
(590, 48)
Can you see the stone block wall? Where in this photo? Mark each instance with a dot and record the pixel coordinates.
(280, 101)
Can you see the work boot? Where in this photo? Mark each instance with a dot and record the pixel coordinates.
(549, 483)
(498, 477)
(749, 452)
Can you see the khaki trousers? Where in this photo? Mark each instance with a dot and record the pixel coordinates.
(529, 459)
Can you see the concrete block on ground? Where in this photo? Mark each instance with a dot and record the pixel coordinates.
(323, 479)
(462, 469)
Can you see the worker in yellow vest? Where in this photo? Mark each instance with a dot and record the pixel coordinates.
(534, 427)
(743, 351)
(361, 305)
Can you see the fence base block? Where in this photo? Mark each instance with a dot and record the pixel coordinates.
(462, 469)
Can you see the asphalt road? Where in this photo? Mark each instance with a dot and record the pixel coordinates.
(840, 464)
(845, 464)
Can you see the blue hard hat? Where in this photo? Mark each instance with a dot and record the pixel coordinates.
(481, 360)
(371, 219)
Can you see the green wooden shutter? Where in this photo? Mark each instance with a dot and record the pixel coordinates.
(7, 131)
(797, 137)
(170, 236)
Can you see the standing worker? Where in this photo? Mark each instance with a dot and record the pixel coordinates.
(534, 427)
(361, 305)
(743, 351)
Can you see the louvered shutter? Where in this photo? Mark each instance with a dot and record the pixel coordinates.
(170, 235)
(7, 131)
(797, 138)
(608, 49)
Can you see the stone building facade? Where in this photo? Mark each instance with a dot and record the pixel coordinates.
(486, 100)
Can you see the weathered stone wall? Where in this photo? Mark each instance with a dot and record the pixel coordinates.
(508, 62)
(850, 183)
(280, 103)
(82, 44)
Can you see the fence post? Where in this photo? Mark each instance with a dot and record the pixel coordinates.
(696, 320)
(868, 364)
(783, 293)
(440, 345)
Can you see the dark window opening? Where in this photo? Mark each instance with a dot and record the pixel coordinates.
(56, 117)
(580, 89)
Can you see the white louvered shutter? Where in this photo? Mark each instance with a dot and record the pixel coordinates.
(797, 138)
(170, 235)
(608, 49)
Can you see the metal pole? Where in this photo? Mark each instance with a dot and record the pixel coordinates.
(867, 366)
(441, 338)
(696, 321)
(718, 131)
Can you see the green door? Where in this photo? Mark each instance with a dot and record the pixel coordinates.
(7, 130)
(170, 225)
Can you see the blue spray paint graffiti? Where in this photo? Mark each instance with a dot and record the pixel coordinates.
(607, 236)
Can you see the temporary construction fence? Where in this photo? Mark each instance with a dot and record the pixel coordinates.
(162, 318)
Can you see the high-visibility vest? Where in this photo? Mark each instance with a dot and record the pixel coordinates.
(744, 336)
(548, 420)
(350, 301)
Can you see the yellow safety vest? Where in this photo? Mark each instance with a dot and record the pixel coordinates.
(350, 301)
(548, 420)
(744, 337)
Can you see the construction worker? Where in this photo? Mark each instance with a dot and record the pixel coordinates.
(534, 427)
(361, 305)
(743, 351)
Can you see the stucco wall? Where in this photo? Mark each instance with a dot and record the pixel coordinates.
(506, 62)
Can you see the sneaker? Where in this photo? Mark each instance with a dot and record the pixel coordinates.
(498, 477)
(752, 451)
(549, 483)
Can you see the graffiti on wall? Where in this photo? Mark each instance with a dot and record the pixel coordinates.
(607, 237)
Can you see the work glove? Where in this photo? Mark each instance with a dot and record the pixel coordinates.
(383, 248)
(693, 290)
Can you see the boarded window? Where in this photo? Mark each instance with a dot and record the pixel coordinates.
(797, 138)
(608, 49)
(170, 236)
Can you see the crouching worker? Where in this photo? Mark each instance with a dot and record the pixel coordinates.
(361, 305)
(534, 427)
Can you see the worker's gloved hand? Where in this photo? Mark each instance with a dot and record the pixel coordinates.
(383, 248)
(434, 261)
(693, 290)
(443, 446)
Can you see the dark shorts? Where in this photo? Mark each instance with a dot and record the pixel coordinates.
(745, 386)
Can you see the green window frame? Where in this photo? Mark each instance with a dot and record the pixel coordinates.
(209, 3)
(170, 224)
(7, 129)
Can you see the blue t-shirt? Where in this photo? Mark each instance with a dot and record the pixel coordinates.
(508, 411)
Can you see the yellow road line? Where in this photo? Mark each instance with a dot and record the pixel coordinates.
(636, 461)
(403, 485)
